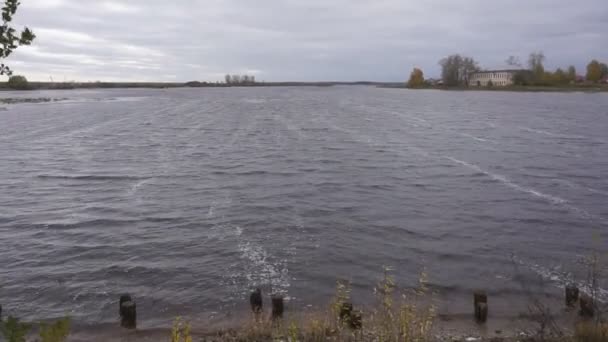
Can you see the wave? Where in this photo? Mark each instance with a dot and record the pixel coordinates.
(473, 137)
(83, 223)
(90, 177)
(539, 131)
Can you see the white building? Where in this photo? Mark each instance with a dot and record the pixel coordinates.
(498, 78)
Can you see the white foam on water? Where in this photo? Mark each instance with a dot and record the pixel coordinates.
(560, 278)
(473, 137)
(135, 187)
(255, 101)
(539, 131)
(260, 269)
(218, 205)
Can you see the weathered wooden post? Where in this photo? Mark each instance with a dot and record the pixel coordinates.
(571, 295)
(277, 307)
(256, 301)
(480, 300)
(128, 312)
(586, 306)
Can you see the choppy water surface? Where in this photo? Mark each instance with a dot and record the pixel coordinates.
(189, 198)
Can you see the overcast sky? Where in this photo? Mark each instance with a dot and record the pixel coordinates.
(278, 40)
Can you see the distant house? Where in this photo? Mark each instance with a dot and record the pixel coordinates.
(498, 78)
(435, 82)
(604, 79)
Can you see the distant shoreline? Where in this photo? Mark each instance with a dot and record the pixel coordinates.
(594, 88)
(194, 84)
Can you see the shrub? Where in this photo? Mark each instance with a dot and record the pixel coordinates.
(180, 331)
(56, 332)
(13, 330)
(18, 83)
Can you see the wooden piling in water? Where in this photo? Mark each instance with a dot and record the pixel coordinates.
(586, 306)
(571, 295)
(128, 312)
(277, 307)
(480, 301)
(256, 301)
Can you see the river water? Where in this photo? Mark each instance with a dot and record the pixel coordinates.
(189, 198)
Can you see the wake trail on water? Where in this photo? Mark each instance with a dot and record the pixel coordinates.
(474, 137)
(560, 135)
(499, 178)
(550, 198)
(504, 180)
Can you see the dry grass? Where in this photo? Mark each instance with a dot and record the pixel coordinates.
(591, 332)
(403, 317)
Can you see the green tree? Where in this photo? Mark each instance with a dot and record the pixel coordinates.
(10, 39)
(18, 83)
(490, 83)
(522, 77)
(594, 71)
(535, 63)
(571, 73)
(456, 70)
(560, 77)
(416, 79)
(604, 69)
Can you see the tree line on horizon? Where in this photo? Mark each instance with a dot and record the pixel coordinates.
(239, 79)
(456, 71)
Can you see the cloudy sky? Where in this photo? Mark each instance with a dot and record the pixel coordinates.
(277, 40)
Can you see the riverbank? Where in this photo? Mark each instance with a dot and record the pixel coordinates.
(408, 315)
(326, 326)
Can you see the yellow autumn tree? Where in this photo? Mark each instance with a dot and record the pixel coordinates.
(416, 79)
(594, 71)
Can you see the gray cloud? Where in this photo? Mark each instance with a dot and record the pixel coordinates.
(306, 40)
